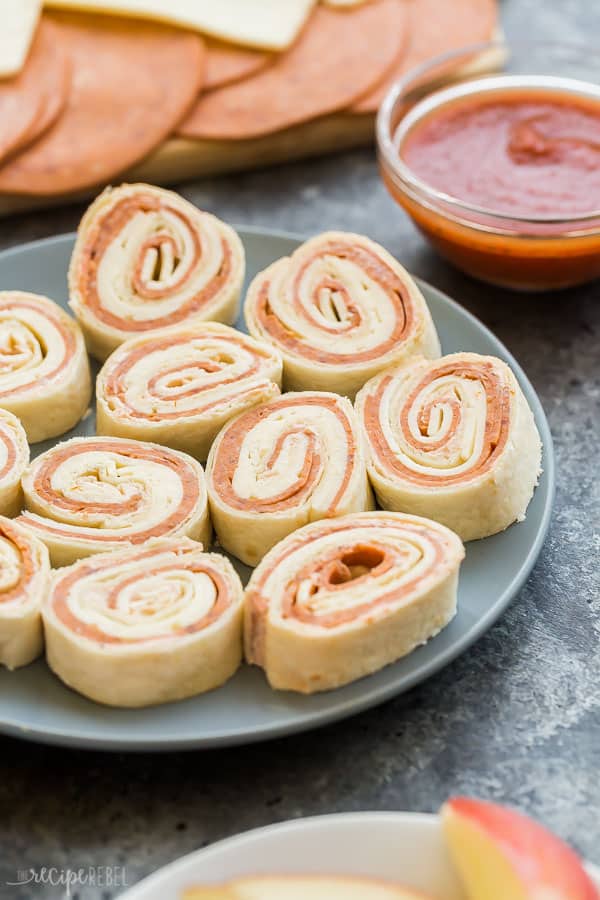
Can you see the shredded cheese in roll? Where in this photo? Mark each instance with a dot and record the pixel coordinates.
(44, 369)
(180, 386)
(339, 310)
(291, 461)
(145, 258)
(145, 625)
(24, 578)
(93, 494)
(453, 439)
(340, 599)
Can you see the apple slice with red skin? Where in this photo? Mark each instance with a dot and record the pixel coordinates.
(501, 854)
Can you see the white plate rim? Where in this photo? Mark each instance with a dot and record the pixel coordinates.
(189, 865)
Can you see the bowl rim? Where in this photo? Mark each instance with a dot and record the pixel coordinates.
(446, 205)
(187, 866)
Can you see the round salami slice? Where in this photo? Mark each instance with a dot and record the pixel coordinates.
(132, 83)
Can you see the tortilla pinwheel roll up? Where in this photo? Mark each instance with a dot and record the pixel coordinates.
(14, 459)
(145, 625)
(87, 495)
(145, 258)
(44, 369)
(452, 439)
(341, 598)
(339, 310)
(180, 386)
(276, 467)
(24, 579)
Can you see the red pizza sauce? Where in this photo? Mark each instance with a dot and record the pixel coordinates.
(504, 179)
(523, 153)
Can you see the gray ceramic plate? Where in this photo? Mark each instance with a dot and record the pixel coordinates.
(36, 705)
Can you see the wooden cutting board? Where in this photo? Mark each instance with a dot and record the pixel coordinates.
(181, 160)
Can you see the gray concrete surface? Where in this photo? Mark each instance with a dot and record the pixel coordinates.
(516, 719)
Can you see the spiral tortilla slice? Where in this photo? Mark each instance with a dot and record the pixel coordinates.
(179, 386)
(131, 84)
(33, 100)
(24, 579)
(339, 310)
(14, 459)
(148, 625)
(144, 259)
(434, 28)
(452, 439)
(339, 56)
(294, 460)
(341, 598)
(44, 369)
(88, 495)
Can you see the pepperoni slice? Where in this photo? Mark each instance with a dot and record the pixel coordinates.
(434, 27)
(32, 101)
(132, 83)
(226, 63)
(340, 55)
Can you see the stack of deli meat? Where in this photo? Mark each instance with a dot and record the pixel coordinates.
(93, 89)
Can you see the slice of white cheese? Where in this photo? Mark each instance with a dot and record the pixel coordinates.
(18, 21)
(270, 24)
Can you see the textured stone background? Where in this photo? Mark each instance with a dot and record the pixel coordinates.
(516, 719)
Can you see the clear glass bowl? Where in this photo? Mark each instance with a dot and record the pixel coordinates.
(543, 253)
